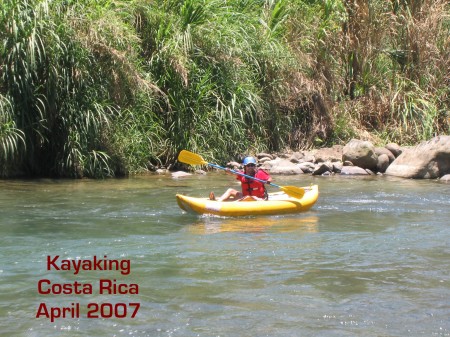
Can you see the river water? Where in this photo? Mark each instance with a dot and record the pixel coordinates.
(371, 258)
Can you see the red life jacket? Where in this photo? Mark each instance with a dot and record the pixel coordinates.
(253, 187)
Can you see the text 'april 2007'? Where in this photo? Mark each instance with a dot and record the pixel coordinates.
(103, 286)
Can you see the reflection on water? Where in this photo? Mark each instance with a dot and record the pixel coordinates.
(215, 224)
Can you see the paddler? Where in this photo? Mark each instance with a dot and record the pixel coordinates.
(250, 187)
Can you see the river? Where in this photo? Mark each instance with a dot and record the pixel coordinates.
(371, 258)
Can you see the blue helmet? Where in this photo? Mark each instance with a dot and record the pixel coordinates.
(249, 160)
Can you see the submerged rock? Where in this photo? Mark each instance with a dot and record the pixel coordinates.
(180, 174)
(354, 171)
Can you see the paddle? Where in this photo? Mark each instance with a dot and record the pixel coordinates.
(195, 159)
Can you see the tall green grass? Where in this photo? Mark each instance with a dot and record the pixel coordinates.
(12, 139)
(96, 89)
(391, 60)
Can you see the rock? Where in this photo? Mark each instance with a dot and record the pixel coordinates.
(382, 150)
(233, 164)
(296, 157)
(201, 172)
(360, 153)
(264, 155)
(161, 171)
(445, 178)
(307, 167)
(322, 168)
(383, 163)
(394, 149)
(354, 171)
(263, 160)
(337, 167)
(281, 166)
(428, 160)
(308, 158)
(331, 154)
(180, 174)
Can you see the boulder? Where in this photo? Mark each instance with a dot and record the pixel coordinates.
(281, 166)
(323, 168)
(428, 160)
(307, 167)
(382, 150)
(394, 148)
(285, 155)
(263, 160)
(383, 163)
(308, 158)
(296, 157)
(337, 166)
(360, 153)
(445, 178)
(264, 155)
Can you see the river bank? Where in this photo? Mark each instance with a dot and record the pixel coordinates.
(427, 160)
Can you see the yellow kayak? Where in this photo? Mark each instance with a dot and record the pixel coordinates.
(278, 203)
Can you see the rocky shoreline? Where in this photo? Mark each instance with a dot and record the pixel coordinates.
(427, 160)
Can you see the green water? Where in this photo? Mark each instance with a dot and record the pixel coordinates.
(372, 258)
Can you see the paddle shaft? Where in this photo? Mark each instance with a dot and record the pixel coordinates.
(244, 175)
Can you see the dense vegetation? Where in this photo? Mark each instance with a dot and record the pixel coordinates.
(102, 88)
